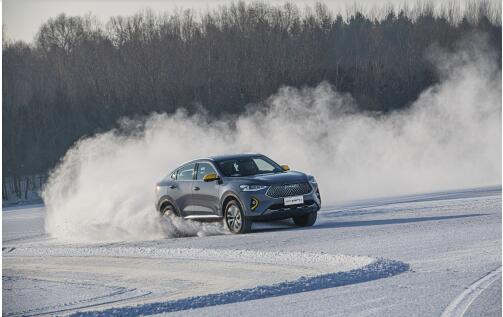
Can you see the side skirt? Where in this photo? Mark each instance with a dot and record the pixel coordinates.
(203, 217)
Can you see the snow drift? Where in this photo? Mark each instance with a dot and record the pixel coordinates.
(450, 137)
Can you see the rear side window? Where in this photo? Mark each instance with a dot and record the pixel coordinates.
(185, 173)
(204, 169)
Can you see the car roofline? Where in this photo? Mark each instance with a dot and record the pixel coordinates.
(234, 156)
(215, 158)
(196, 161)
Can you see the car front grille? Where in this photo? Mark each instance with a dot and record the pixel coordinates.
(287, 190)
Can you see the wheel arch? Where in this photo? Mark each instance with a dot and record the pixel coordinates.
(164, 201)
(228, 196)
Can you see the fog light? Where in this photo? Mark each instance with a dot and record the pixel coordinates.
(253, 203)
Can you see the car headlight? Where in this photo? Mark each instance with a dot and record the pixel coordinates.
(251, 188)
(312, 180)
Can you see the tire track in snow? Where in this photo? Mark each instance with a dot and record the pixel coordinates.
(114, 295)
(459, 306)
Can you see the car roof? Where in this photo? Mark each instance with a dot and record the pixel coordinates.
(232, 156)
(217, 158)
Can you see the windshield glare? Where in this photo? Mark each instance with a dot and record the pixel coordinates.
(248, 166)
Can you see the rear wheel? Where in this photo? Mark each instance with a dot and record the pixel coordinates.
(168, 210)
(169, 219)
(235, 219)
(305, 220)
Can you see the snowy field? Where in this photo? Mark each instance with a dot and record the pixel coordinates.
(420, 255)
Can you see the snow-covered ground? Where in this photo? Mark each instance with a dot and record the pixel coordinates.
(419, 255)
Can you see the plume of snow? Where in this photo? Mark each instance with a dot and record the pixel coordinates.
(450, 137)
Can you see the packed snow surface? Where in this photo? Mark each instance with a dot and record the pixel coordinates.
(429, 254)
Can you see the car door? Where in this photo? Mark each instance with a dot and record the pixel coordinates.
(181, 191)
(205, 195)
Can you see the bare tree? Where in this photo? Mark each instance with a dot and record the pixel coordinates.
(80, 76)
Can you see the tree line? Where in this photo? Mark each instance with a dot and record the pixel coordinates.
(80, 75)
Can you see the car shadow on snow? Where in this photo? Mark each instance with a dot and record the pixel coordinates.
(378, 222)
(380, 268)
(288, 225)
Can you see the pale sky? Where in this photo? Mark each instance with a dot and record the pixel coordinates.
(21, 19)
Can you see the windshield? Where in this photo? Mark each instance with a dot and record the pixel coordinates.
(248, 166)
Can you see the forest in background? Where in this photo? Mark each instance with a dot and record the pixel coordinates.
(81, 75)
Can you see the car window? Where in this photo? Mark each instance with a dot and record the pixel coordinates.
(204, 169)
(263, 165)
(248, 166)
(185, 173)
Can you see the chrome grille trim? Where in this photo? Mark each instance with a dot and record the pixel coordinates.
(287, 190)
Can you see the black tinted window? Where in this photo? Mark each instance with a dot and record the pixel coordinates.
(204, 169)
(185, 173)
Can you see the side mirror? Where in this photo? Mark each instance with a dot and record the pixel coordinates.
(285, 167)
(210, 177)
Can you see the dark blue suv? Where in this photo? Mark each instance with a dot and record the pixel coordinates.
(240, 189)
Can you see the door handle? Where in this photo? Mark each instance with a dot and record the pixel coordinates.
(197, 188)
(171, 186)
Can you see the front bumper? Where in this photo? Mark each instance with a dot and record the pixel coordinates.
(285, 213)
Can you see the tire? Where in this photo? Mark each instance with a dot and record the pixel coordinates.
(235, 219)
(168, 216)
(168, 210)
(305, 220)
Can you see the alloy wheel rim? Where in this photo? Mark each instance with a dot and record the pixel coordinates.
(234, 220)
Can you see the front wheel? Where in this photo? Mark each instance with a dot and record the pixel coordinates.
(235, 219)
(305, 220)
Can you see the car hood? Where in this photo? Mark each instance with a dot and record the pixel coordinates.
(289, 177)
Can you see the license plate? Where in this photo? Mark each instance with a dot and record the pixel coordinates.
(294, 200)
